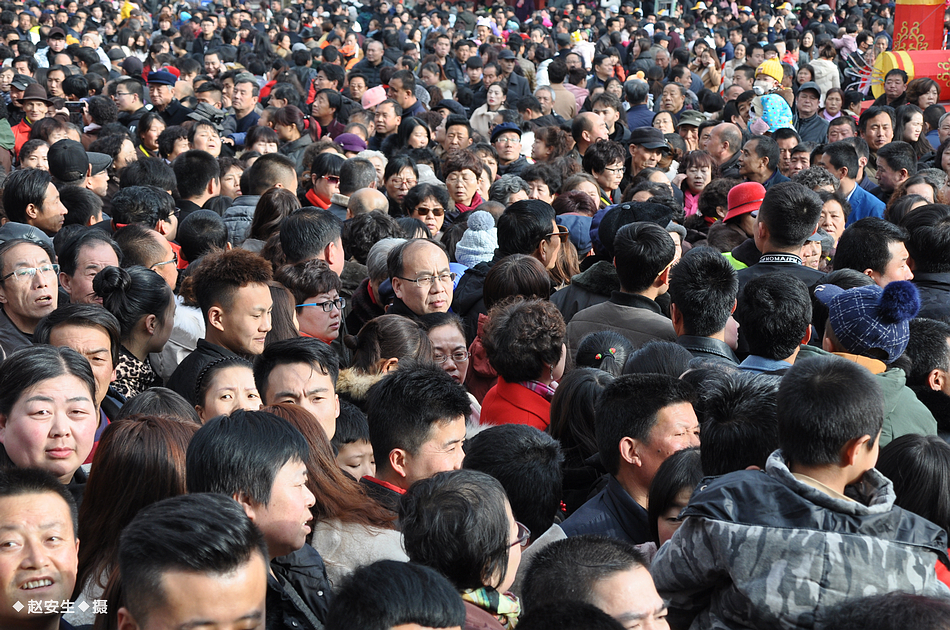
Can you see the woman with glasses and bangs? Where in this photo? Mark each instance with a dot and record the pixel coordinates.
(401, 176)
(460, 171)
(316, 291)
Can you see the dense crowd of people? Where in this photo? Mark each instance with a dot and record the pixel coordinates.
(357, 315)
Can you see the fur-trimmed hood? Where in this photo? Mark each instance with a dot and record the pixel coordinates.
(354, 385)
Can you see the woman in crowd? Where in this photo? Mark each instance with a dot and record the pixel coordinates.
(291, 126)
(827, 75)
(834, 102)
(231, 170)
(48, 415)
(430, 204)
(261, 139)
(922, 92)
(400, 176)
(550, 143)
(707, 66)
(324, 180)
(412, 133)
(326, 110)
(664, 122)
(33, 154)
(226, 385)
(834, 214)
(283, 316)
(377, 350)
(738, 59)
(148, 454)
(460, 171)
(909, 127)
(145, 307)
(700, 169)
(524, 340)
(316, 290)
(150, 127)
(447, 335)
(670, 491)
(349, 528)
(273, 206)
(460, 523)
(483, 117)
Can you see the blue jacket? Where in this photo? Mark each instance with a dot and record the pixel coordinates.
(863, 205)
(613, 513)
(640, 116)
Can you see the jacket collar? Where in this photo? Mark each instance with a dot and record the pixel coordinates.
(707, 345)
(635, 300)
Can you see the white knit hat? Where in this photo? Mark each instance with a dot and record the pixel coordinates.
(480, 240)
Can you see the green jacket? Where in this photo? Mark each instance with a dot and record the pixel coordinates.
(903, 413)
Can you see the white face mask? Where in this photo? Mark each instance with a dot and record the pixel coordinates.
(762, 86)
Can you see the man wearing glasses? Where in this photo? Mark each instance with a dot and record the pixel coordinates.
(422, 281)
(28, 291)
(506, 138)
(129, 97)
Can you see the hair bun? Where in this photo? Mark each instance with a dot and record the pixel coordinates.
(481, 220)
(111, 280)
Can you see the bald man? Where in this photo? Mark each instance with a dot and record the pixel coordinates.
(366, 200)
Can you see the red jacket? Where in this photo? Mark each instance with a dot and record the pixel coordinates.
(511, 403)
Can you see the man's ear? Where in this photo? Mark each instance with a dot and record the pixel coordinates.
(735, 303)
(32, 211)
(852, 449)
(936, 379)
(250, 508)
(630, 451)
(64, 281)
(125, 620)
(397, 286)
(216, 317)
(398, 459)
(677, 319)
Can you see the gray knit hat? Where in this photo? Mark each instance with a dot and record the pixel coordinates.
(480, 240)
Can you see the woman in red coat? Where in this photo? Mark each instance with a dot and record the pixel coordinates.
(524, 340)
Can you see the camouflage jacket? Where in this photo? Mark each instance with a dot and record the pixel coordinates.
(764, 550)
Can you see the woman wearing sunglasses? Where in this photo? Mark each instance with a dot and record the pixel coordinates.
(429, 204)
(324, 180)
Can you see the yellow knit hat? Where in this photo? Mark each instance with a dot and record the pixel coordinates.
(772, 68)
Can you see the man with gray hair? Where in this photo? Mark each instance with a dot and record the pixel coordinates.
(375, 292)
(639, 114)
(366, 200)
(355, 174)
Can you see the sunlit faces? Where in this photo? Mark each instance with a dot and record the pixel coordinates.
(609, 179)
(430, 212)
(28, 298)
(664, 122)
(51, 426)
(450, 351)
(508, 146)
(441, 452)
(419, 138)
(308, 386)
(878, 131)
(91, 259)
(676, 428)
(230, 389)
(385, 119)
(457, 137)
(92, 342)
(34, 110)
(207, 139)
(913, 128)
(356, 458)
(631, 598)
(833, 219)
(672, 99)
(839, 132)
(924, 190)
(539, 189)
(244, 324)
(231, 182)
(669, 521)
(641, 157)
(126, 155)
(896, 268)
(893, 87)
(318, 322)
(495, 96)
(887, 177)
(38, 557)
(38, 158)
(399, 184)
(425, 284)
(833, 104)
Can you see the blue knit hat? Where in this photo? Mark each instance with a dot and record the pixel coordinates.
(869, 320)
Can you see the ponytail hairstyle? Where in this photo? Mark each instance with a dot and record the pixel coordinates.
(604, 350)
(388, 337)
(131, 294)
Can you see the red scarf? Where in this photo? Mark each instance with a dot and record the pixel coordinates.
(476, 201)
(315, 200)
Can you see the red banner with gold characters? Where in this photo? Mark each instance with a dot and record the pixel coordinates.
(934, 64)
(918, 25)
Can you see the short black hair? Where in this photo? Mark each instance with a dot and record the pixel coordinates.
(241, 454)
(568, 615)
(527, 462)
(774, 315)
(200, 232)
(642, 251)
(865, 244)
(16, 482)
(456, 523)
(69, 253)
(196, 533)
(81, 204)
(88, 315)
(266, 171)
(570, 569)
(356, 173)
(145, 205)
(24, 187)
(873, 112)
(194, 170)
(680, 471)
(890, 610)
(929, 241)
(899, 156)
(308, 350)
(351, 426)
(139, 245)
(403, 406)
(843, 155)
(360, 233)
(307, 232)
(791, 213)
(148, 172)
(703, 286)
(928, 350)
(523, 225)
(824, 403)
(388, 594)
(628, 408)
(766, 147)
(740, 425)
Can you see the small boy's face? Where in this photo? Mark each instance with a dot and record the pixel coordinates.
(357, 459)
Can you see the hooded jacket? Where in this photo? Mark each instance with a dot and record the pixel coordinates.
(238, 218)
